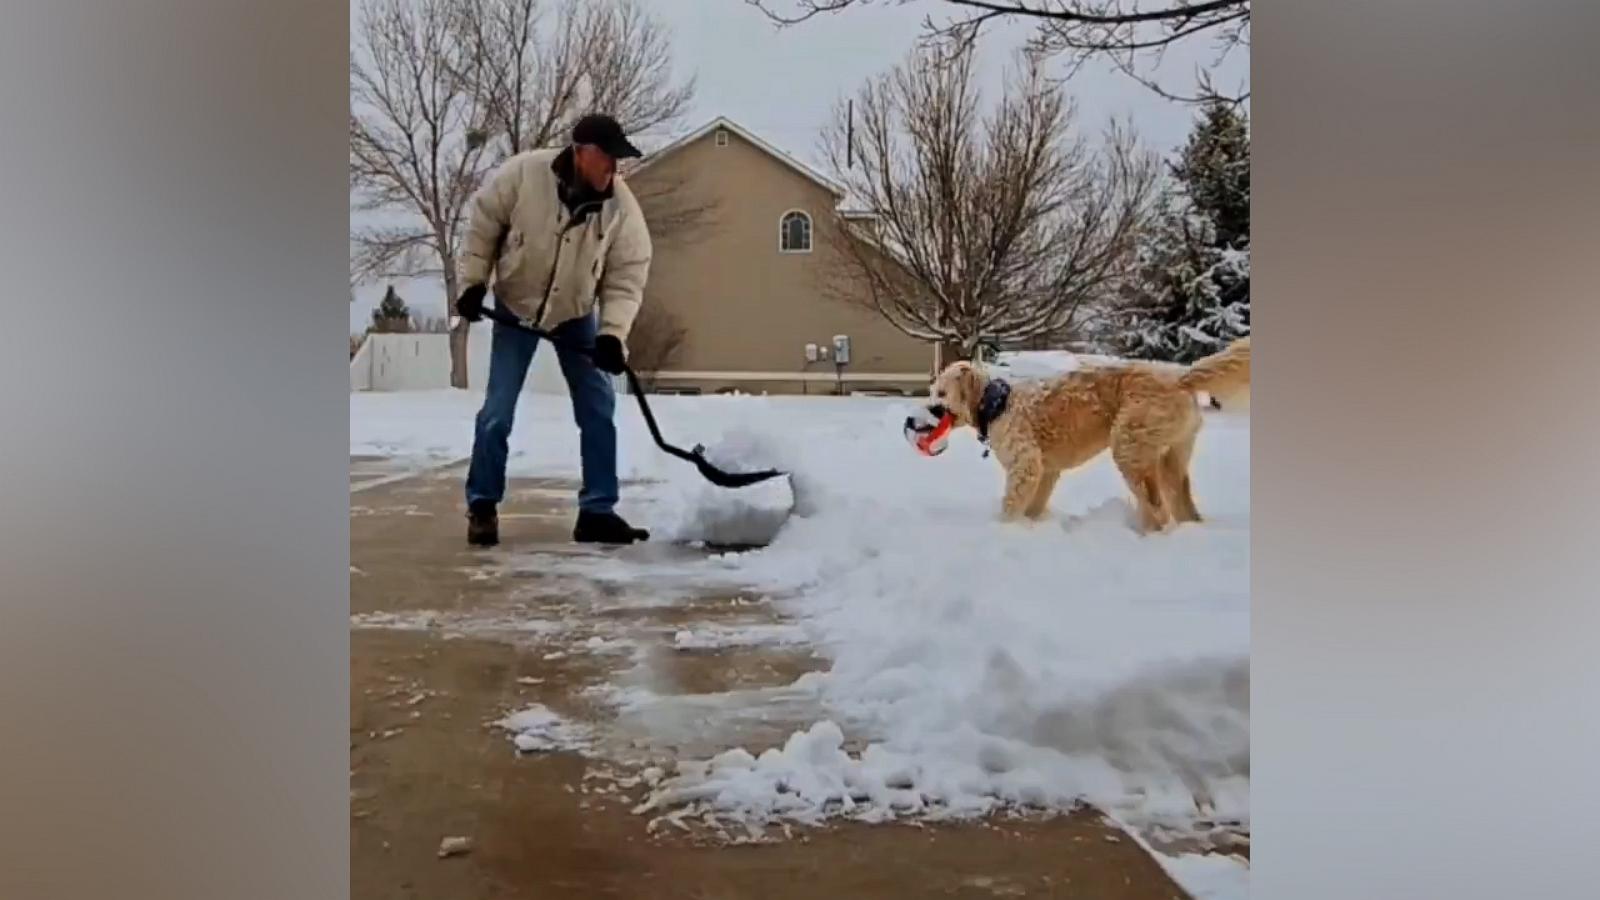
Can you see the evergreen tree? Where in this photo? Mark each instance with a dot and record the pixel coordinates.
(1214, 169)
(392, 314)
(1193, 294)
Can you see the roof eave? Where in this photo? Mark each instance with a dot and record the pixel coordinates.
(809, 173)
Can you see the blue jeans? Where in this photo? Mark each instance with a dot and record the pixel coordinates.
(593, 404)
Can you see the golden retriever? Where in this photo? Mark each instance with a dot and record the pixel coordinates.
(1145, 413)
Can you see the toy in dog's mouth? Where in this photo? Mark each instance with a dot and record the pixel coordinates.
(929, 430)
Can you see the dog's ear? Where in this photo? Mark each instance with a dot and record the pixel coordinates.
(947, 382)
(971, 380)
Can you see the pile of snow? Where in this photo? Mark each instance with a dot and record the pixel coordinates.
(809, 778)
(750, 516)
(1004, 665)
(1140, 753)
(539, 730)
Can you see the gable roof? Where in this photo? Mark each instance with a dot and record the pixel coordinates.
(804, 170)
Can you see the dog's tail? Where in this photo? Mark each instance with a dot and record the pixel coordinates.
(1225, 375)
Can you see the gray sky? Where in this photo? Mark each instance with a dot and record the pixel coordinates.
(782, 83)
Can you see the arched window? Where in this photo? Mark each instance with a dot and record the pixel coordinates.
(794, 232)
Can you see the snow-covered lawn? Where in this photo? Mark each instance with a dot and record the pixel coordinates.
(973, 666)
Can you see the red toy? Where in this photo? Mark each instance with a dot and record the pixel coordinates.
(930, 441)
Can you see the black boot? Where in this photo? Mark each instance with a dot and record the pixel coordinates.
(483, 524)
(606, 528)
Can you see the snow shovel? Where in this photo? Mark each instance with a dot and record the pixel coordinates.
(696, 456)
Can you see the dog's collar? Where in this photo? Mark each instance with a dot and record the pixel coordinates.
(991, 406)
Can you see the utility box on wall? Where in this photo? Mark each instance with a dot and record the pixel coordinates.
(841, 349)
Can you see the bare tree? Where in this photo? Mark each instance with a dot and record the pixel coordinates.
(538, 66)
(656, 341)
(680, 205)
(416, 146)
(681, 208)
(1003, 225)
(1133, 35)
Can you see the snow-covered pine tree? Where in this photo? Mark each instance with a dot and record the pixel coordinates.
(1193, 294)
(1214, 169)
(392, 314)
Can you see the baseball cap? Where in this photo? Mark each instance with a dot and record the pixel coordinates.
(604, 132)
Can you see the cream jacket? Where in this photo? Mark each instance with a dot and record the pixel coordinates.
(549, 266)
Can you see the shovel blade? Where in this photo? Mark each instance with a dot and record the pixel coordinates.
(735, 479)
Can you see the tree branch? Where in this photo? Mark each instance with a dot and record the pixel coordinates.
(1077, 30)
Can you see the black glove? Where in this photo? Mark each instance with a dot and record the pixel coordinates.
(470, 304)
(608, 355)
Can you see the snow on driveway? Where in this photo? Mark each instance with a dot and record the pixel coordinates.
(971, 666)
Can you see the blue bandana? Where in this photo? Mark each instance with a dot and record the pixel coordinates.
(991, 406)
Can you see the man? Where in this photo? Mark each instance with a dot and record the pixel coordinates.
(570, 251)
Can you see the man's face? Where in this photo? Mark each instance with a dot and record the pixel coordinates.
(593, 165)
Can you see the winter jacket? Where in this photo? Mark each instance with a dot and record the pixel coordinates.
(553, 263)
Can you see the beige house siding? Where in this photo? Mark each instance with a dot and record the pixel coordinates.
(749, 309)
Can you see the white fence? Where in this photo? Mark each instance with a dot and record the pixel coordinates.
(421, 362)
(361, 366)
(401, 362)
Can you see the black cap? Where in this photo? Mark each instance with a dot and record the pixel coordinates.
(603, 131)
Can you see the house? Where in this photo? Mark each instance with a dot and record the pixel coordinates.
(745, 272)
